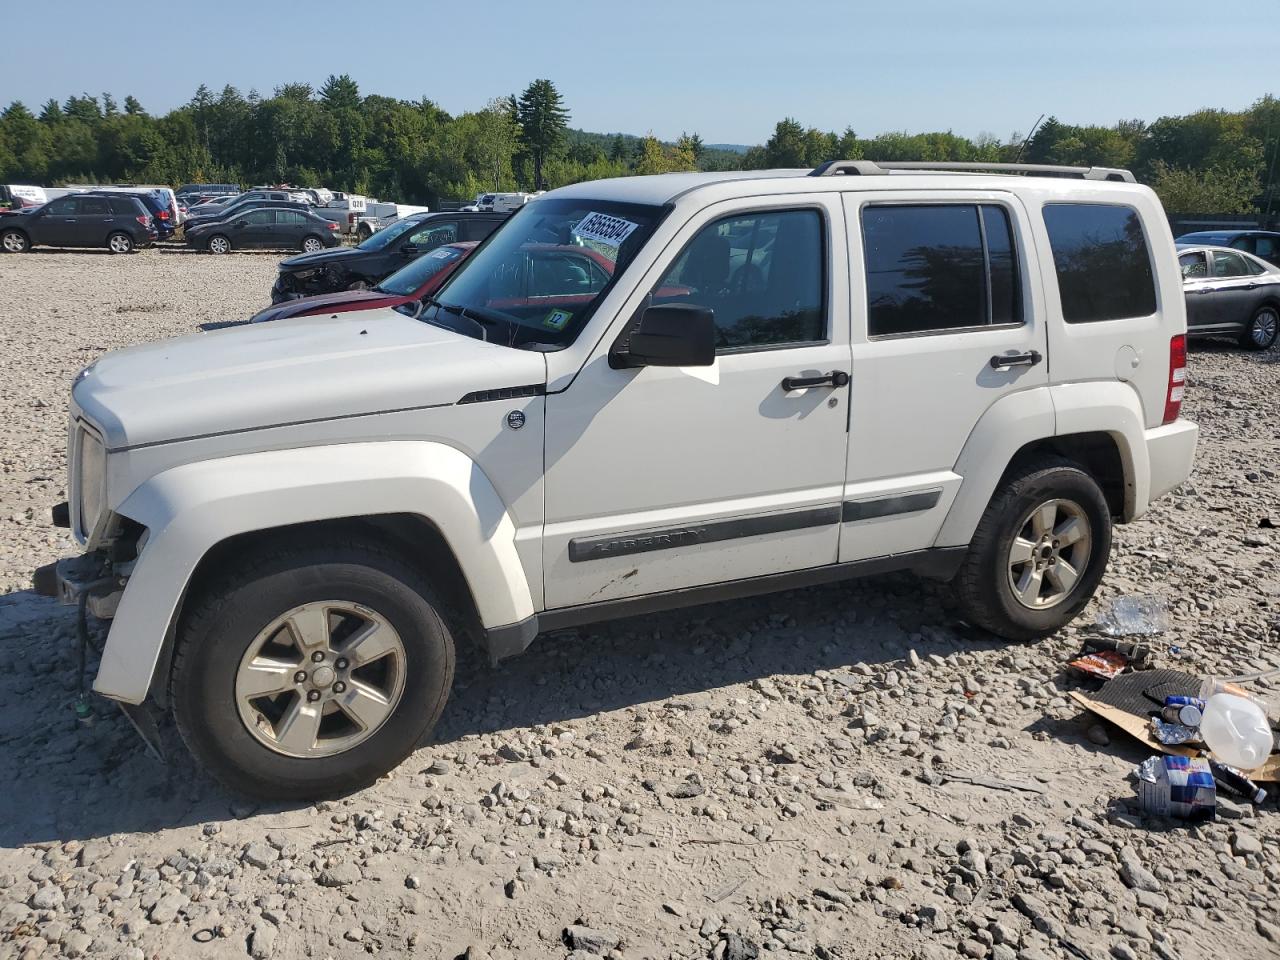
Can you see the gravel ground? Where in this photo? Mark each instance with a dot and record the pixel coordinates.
(785, 774)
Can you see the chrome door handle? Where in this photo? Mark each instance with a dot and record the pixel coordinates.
(1028, 359)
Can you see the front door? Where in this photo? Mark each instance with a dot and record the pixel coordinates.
(57, 223)
(945, 323)
(258, 230)
(1197, 288)
(660, 478)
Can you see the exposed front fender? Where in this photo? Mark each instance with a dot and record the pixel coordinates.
(189, 509)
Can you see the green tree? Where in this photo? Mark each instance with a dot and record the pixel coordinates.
(1205, 191)
(497, 130)
(543, 121)
(340, 93)
(132, 107)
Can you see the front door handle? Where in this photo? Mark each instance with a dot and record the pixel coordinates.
(1028, 359)
(836, 378)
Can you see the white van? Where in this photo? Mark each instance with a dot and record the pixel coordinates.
(21, 195)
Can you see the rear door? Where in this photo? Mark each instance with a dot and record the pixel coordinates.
(93, 216)
(1234, 288)
(945, 323)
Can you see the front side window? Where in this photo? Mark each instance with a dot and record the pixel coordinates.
(761, 274)
(939, 267)
(62, 207)
(1194, 266)
(497, 288)
(1227, 265)
(1104, 268)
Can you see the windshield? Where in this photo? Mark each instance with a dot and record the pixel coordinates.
(542, 274)
(387, 235)
(409, 279)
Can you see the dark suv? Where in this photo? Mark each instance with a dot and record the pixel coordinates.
(380, 255)
(118, 221)
(1264, 244)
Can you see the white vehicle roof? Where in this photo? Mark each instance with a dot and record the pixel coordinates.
(863, 175)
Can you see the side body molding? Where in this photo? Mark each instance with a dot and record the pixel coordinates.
(189, 509)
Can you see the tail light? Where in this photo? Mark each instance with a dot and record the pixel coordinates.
(143, 219)
(164, 214)
(1177, 377)
(332, 225)
(351, 219)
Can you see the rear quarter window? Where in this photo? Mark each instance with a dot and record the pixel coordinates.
(1102, 261)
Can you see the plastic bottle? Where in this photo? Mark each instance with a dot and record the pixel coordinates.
(1236, 731)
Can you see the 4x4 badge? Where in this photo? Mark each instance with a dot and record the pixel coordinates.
(515, 419)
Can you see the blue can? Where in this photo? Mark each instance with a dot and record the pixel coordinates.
(1184, 710)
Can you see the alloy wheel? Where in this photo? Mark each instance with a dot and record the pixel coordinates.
(312, 245)
(1049, 553)
(320, 679)
(119, 243)
(15, 242)
(219, 245)
(1263, 329)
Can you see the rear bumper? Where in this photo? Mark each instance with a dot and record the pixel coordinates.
(1171, 449)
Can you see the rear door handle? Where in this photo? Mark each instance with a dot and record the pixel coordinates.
(1028, 359)
(836, 378)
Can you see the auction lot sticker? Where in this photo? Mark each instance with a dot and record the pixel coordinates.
(605, 229)
(557, 319)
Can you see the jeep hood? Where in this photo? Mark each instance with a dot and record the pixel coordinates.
(293, 371)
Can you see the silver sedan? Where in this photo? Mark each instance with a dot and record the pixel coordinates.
(1230, 293)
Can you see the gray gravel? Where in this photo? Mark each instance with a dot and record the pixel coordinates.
(765, 776)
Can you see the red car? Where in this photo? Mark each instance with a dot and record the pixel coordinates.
(414, 281)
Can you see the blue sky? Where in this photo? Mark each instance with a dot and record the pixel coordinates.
(727, 70)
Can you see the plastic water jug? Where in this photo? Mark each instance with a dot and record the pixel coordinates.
(1236, 731)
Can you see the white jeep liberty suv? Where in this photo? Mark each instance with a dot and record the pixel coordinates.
(638, 394)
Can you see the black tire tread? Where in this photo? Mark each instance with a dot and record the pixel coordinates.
(207, 605)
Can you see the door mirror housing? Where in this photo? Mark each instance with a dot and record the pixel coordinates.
(409, 249)
(241, 224)
(669, 335)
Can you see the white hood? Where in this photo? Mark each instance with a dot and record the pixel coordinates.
(291, 371)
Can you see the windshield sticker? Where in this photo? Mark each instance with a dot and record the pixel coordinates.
(444, 253)
(556, 319)
(605, 229)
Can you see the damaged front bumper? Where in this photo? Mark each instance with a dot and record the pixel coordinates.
(89, 577)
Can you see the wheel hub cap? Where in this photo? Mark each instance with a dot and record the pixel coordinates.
(320, 679)
(1049, 553)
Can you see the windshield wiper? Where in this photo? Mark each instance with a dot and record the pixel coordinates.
(480, 321)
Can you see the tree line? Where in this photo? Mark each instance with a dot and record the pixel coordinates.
(413, 151)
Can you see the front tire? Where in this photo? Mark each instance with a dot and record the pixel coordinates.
(14, 241)
(218, 244)
(1262, 330)
(1038, 553)
(311, 670)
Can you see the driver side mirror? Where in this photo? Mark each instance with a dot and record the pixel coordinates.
(409, 249)
(669, 335)
(241, 224)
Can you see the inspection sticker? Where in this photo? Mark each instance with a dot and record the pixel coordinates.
(605, 229)
(557, 319)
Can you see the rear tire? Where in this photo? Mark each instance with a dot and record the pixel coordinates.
(218, 244)
(14, 241)
(1038, 553)
(1262, 329)
(120, 243)
(244, 623)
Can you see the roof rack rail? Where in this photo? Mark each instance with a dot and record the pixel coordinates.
(869, 168)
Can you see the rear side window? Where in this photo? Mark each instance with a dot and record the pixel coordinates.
(1229, 265)
(1103, 265)
(123, 206)
(93, 207)
(939, 267)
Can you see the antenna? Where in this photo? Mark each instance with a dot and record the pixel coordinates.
(1027, 139)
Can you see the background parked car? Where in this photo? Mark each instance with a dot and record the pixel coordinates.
(120, 222)
(19, 195)
(268, 228)
(206, 214)
(1260, 243)
(408, 285)
(216, 208)
(207, 190)
(1230, 293)
(380, 255)
(169, 198)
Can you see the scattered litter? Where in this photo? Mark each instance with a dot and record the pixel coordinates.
(1105, 664)
(1234, 781)
(1173, 733)
(1134, 616)
(726, 890)
(1181, 787)
(1107, 659)
(1236, 731)
(1186, 711)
